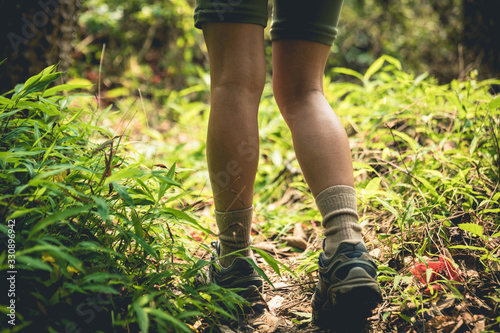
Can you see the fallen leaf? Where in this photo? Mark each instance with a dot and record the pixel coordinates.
(479, 325)
(298, 231)
(265, 322)
(295, 242)
(467, 317)
(445, 323)
(266, 246)
(377, 254)
(442, 267)
(445, 303)
(275, 303)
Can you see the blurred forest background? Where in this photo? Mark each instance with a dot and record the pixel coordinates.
(152, 44)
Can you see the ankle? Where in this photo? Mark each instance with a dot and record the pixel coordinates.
(337, 205)
(227, 253)
(234, 234)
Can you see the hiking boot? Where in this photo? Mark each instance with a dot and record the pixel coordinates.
(240, 274)
(347, 289)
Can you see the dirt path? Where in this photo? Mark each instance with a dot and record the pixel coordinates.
(407, 307)
(290, 302)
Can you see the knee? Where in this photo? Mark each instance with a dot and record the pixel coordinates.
(242, 83)
(295, 98)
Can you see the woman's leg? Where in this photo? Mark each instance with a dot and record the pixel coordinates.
(319, 139)
(237, 72)
(347, 290)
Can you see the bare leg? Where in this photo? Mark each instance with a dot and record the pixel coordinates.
(319, 138)
(237, 72)
(347, 289)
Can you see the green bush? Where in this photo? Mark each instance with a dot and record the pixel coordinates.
(100, 243)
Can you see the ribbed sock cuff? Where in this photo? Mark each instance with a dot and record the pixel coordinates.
(337, 200)
(234, 232)
(337, 205)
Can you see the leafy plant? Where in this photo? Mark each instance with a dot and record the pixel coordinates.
(97, 235)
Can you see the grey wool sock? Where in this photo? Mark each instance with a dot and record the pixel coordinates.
(234, 233)
(337, 205)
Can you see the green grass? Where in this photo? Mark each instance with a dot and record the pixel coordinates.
(108, 227)
(100, 242)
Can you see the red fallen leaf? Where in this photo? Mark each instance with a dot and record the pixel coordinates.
(196, 237)
(442, 267)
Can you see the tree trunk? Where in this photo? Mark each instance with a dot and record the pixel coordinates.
(35, 34)
(481, 36)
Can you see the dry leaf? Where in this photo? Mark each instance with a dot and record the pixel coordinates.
(298, 231)
(265, 323)
(445, 303)
(445, 323)
(297, 242)
(266, 246)
(377, 254)
(275, 303)
(479, 325)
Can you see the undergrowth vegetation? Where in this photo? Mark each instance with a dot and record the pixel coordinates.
(99, 245)
(110, 237)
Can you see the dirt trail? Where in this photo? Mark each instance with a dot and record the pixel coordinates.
(470, 309)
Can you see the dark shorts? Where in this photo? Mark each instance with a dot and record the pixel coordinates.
(313, 20)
